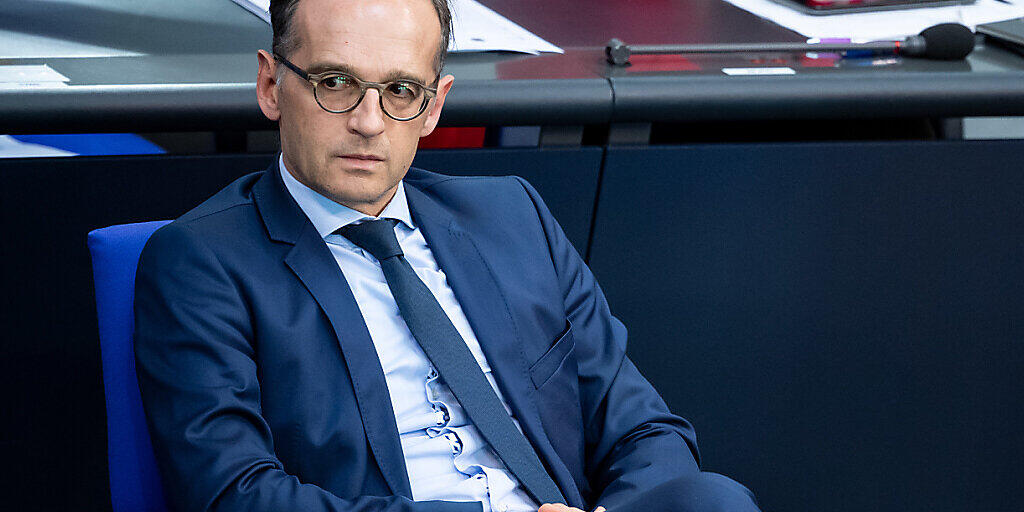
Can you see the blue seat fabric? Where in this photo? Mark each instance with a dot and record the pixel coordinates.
(134, 478)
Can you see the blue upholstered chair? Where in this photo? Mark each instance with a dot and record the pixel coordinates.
(134, 479)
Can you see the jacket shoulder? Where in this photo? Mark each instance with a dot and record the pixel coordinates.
(490, 192)
(237, 193)
(220, 217)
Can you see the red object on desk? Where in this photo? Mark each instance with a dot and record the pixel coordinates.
(454, 137)
(647, 63)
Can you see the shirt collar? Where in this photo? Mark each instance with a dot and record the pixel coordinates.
(327, 216)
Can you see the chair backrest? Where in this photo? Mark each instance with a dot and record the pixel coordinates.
(134, 478)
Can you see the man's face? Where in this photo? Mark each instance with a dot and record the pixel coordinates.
(359, 157)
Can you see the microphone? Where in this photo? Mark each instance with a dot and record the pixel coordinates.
(946, 41)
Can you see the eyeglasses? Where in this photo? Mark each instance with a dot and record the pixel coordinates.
(336, 92)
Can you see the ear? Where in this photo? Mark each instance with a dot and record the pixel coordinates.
(434, 111)
(266, 85)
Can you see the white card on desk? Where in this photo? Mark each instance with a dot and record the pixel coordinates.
(30, 74)
(758, 71)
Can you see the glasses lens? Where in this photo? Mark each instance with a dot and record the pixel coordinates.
(337, 92)
(403, 99)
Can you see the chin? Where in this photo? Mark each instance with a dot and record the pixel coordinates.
(355, 197)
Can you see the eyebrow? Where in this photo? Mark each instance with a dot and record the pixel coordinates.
(391, 76)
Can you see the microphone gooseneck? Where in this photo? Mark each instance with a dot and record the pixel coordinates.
(946, 41)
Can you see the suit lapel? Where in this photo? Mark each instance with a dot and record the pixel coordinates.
(475, 285)
(314, 265)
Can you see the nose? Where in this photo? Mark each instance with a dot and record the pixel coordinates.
(367, 119)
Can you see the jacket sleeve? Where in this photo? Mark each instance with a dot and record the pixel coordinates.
(633, 442)
(200, 389)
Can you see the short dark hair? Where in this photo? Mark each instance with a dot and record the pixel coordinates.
(286, 41)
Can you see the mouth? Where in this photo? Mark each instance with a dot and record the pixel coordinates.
(363, 157)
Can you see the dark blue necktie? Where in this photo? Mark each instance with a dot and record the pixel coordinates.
(451, 357)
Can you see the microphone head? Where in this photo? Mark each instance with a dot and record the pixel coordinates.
(947, 41)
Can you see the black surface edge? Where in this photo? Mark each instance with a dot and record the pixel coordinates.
(818, 96)
(204, 107)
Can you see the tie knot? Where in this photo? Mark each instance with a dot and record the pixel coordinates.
(376, 237)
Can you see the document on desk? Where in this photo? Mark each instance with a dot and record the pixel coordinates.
(30, 76)
(882, 25)
(476, 29)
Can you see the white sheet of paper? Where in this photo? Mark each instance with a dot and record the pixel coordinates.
(24, 86)
(476, 29)
(30, 74)
(881, 25)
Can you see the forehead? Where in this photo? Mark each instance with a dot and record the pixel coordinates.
(372, 37)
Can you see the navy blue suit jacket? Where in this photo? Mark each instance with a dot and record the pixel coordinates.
(263, 390)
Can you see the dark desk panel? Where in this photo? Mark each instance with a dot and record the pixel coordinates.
(989, 83)
(195, 68)
(232, 106)
(841, 322)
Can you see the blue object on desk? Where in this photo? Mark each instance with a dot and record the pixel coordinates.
(92, 144)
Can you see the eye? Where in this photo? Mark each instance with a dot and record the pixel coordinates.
(404, 90)
(337, 82)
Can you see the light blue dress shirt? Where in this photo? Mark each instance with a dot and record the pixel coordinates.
(445, 455)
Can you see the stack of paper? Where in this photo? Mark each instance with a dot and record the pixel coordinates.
(476, 29)
(882, 25)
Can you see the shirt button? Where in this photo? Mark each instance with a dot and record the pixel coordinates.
(455, 442)
(440, 413)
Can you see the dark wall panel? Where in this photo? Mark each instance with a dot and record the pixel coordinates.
(54, 421)
(842, 322)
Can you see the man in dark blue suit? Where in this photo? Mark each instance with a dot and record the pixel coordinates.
(342, 332)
